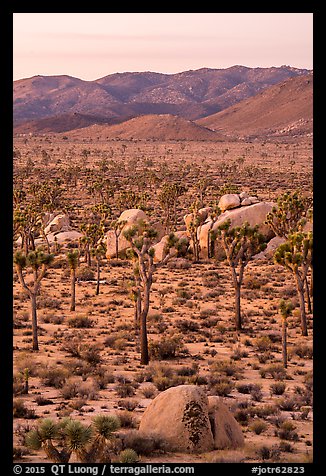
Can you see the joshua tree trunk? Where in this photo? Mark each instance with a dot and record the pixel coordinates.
(300, 288)
(284, 343)
(144, 355)
(73, 289)
(97, 292)
(308, 295)
(237, 295)
(34, 321)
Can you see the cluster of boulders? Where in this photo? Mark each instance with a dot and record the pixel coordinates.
(238, 208)
(58, 229)
(189, 421)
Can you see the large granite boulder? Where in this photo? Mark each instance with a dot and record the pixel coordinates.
(190, 422)
(160, 247)
(130, 217)
(57, 224)
(230, 200)
(254, 214)
(179, 415)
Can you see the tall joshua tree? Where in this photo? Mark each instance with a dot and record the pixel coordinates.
(141, 238)
(39, 262)
(289, 216)
(285, 311)
(72, 257)
(240, 244)
(296, 256)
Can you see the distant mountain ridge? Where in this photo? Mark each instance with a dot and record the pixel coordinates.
(118, 97)
(285, 109)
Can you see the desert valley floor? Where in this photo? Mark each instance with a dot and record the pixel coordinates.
(89, 359)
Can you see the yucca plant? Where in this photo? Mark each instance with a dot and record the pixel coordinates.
(240, 244)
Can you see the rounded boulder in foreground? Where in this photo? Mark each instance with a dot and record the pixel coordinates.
(179, 415)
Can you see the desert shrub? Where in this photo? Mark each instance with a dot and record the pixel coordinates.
(251, 282)
(52, 319)
(21, 411)
(126, 419)
(124, 390)
(289, 403)
(128, 404)
(226, 367)
(265, 411)
(178, 263)
(204, 313)
(103, 378)
(287, 431)
(149, 390)
(185, 325)
(242, 416)
(187, 370)
(256, 392)
(18, 384)
(53, 377)
(266, 452)
(277, 388)
(222, 387)
(258, 427)
(80, 322)
(19, 452)
(285, 447)
(77, 388)
(90, 353)
(183, 293)
(42, 401)
(26, 361)
(263, 344)
(128, 456)
(308, 380)
(85, 274)
(276, 371)
(143, 444)
(303, 351)
(48, 302)
(166, 348)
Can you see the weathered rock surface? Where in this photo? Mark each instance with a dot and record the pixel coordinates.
(189, 421)
(131, 217)
(226, 430)
(254, 214)
(160, 247)
(58, 223)
(203, 214)
(230, 200)
(180, 416)
(270, 249)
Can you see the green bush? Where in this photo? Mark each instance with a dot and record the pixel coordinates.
(128, 456)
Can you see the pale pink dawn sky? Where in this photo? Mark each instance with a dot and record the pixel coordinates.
(93, 45)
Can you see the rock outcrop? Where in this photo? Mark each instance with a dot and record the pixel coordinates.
(254, 214)
(189, 421)
(58, 224)
(160, 247)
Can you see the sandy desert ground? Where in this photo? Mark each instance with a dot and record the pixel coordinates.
(193, 301)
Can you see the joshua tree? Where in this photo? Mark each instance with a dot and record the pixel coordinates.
(288, 217)
(72, 257)
(141, 238)
(240, 244)
(168, 198)
(285, 311)
(290, 214)
(296, 255)
(192, 227)
(39, 262)
(89, 443)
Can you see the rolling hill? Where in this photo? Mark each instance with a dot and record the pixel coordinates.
(162, 127)
(117, 97)
(285, 109)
